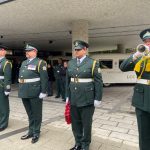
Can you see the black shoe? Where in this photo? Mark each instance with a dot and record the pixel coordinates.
(76, 148)
(27, 136)
(2, 128)
(50, 95)
(63, 100)
(35, 139)
(57, 96)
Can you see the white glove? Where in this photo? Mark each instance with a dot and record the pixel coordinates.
(7, 93)
(42, 95)
(67, 100)
(97, 103)
(137, 55)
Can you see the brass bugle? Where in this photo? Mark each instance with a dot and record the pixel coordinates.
(141, 48)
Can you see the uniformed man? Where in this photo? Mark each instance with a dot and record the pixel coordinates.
(33, 83)
(63, 79)
(84, 91)
(5, 82)
(57, 69)
(140, 63)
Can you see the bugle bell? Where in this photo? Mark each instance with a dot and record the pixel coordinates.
(143, 49)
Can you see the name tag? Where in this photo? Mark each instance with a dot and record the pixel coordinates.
(31, 67)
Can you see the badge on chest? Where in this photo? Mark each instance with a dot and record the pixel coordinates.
(31, 67)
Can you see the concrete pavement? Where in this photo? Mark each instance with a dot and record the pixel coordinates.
(114, 124)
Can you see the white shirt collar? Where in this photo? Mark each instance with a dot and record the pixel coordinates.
(81, 59)
(31, 59)
(1, 58)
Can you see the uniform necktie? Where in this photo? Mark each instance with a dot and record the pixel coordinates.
(28, 61)
(78, 62)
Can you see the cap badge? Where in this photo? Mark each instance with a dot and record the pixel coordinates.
(76, 43)
(146, 34)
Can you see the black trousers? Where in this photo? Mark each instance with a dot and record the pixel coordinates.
(58, 87)
(143, 120)
(82, 124)
(33, 107)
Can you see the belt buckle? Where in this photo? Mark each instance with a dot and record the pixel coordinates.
(76, 80)
(148, 82)
(21, 80)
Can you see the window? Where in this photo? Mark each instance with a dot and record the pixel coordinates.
(106, 64)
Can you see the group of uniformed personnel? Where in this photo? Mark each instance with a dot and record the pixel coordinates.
(84, 88)
(33, 81)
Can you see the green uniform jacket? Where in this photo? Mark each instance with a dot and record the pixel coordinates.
(141, 96)
(83, 94)
(33, 69)
(5, 70)
(57, 70)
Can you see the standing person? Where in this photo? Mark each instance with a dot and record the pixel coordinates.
(5, 82)
(33, 82)
(84, 91)
(51, 79)
(140, 63)
(58, 78)
(63, 79)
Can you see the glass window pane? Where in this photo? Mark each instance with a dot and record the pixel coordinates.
(106, 64)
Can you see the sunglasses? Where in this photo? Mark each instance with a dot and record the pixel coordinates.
(29, 51)
(78, 49)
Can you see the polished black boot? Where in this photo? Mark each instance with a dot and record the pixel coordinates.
(76, 147)
(35, 138)
(27, 136)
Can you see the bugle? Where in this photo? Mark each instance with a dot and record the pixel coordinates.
(143, 49)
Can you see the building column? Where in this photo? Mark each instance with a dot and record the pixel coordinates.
(79, 32)
(121, 48)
